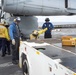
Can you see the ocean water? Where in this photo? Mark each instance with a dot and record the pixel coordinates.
(58, 33)
(58, 23)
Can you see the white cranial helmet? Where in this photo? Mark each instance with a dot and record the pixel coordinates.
(18, 19)
(3, 21)
(6, 23)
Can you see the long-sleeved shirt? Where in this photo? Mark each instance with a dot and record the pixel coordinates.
(49, 27)
(4, 32)
(14, 31)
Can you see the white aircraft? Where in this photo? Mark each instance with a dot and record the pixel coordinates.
(39, 7)
(29, 8)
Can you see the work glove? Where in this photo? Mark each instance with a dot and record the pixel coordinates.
(13, 41)
(20, 39)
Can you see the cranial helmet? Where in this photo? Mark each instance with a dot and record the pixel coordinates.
(18, 19)
(47, 19)
(35, 33)
(3, 21)
(6, 23)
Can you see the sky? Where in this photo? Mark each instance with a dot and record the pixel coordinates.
(0, 1)
(57, 18)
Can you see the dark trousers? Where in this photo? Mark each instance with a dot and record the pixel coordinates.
(0, 43)
(8, 46)
(47, 35)
(3, 45)
(15, 50)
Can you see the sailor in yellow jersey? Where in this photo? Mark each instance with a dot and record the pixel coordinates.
(8, 49)
(35, 34)
(3, 36)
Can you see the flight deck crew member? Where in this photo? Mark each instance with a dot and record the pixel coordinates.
(15, 39)
(0, 44)
(3, 36)
(49, 27)
(8, 50)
